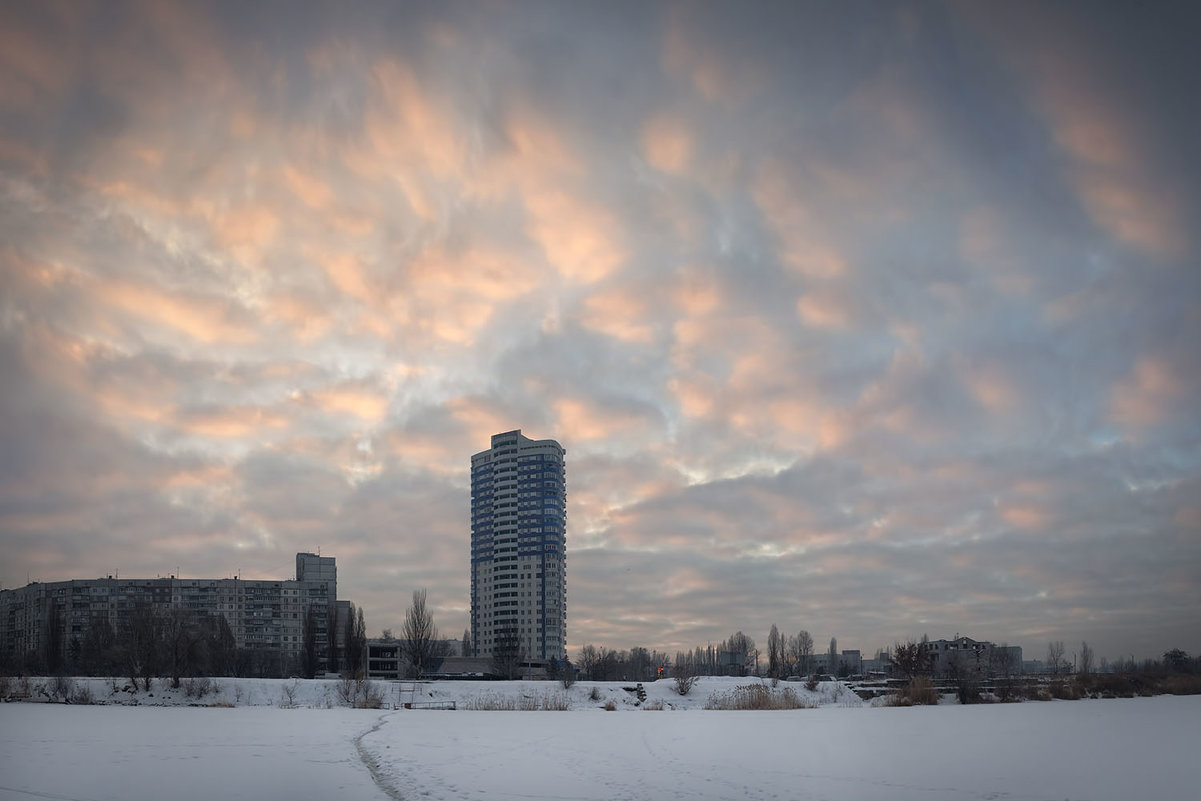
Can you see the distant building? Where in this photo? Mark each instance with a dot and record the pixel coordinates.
(265, 620)
(386, 658)
(518, 550)
(947, 657)
(847, 663)
(734, 663)
(877, 665)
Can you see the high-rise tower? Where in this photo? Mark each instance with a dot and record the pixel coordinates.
(518, 548)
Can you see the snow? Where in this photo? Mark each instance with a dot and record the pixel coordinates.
(98, 753)
(323, 693)
(843, 749)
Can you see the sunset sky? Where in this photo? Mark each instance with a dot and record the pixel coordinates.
(873, 319)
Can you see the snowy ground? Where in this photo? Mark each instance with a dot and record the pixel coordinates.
(1114, 749)
(324, 693)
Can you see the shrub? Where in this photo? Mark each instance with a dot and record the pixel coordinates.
(82, 695)
(197, 687)
(61, 688)
(1063, 691)
(1114, 685)
(370, 697)
(287, 694)
(919, 691)
(654, 706)
(1182, 685)
(610, 706)
(358, 693)
(490, 702)
(594, 694)
(346, 691)
(811, 683)
(968, 692)
(1037, 692)
(755, 696)
(552, 702)
(685, 679)
(546, 702)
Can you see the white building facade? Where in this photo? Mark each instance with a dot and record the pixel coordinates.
(518, 549)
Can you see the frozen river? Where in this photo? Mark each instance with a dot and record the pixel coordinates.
(1117, 749)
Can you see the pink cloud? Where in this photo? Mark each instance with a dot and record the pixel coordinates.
(1150, 394)
(667, 143)
(704, 66)
(623, 313)
(203, 319)
(579, 238)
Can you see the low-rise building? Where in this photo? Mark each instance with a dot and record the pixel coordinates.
(975, 657)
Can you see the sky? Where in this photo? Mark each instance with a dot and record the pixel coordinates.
(870, 319)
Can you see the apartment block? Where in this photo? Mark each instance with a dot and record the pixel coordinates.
(265, 618)
(518, 549)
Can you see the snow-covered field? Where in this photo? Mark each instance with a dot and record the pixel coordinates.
(1114, 749)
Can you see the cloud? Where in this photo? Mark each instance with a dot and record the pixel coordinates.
(623, 313)
(872, 323)
(1093, 117)
(580, 240)
(204, 319)
(667, 144)
(1151, 393)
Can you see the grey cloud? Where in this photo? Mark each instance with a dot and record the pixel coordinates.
(992, 431)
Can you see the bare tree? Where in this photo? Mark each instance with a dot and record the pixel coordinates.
(52, 638)
(220, 646)
(1055, 662)
(506, 653)
(331, 639)
(803, 650)
(182, 642)
(354, 642)
(832, 657)
(466, 647)
(740, 650)
(775, 652)
(588, 660)
(639, 664)
(965, 678)
(685, 678)
(909, 660)
(1086, 659)
(1003, 667)
(140, 644)
(308, 654)
(567, 674)
(420, 635)
(98, 649)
